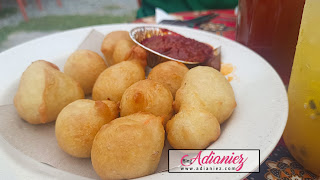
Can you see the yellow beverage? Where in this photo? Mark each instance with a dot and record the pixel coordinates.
(302, 133)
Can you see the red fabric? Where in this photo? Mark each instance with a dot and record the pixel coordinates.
(226, 17)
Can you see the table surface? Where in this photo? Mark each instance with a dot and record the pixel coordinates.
(280, 164)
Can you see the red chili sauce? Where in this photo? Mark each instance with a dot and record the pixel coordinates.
(180, 47)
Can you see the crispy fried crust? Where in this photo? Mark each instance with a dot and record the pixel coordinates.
(113, 81)
(117, 46)
(147, 96)
(79, 122)
(85, 66)
(170, 74)
(128, 147)
(192, 129)
(44, 91)
(208, 89)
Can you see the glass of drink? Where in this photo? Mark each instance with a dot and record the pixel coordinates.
(271, 27)
(302, 133)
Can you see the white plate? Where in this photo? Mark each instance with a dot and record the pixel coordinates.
(257, 122)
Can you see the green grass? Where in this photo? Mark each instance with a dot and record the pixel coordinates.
(49, 23)
(112, 7)
(7, 11)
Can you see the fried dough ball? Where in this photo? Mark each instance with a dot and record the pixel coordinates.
(113, 81)
(192, 129)
(85, 66)
(117, 46)
(170, 74)
(44, 91)
(128, 147)
(109, 43)
(138, 54)
(208, 89)
(79, 122)
(147, 96)
(122, 50)
(114, 108)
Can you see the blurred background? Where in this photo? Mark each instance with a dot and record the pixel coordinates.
(43, 17)
(23, 20)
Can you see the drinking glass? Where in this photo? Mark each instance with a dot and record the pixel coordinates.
(271, 28)
(302, 133)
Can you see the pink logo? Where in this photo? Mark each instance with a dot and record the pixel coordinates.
(216, 159)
